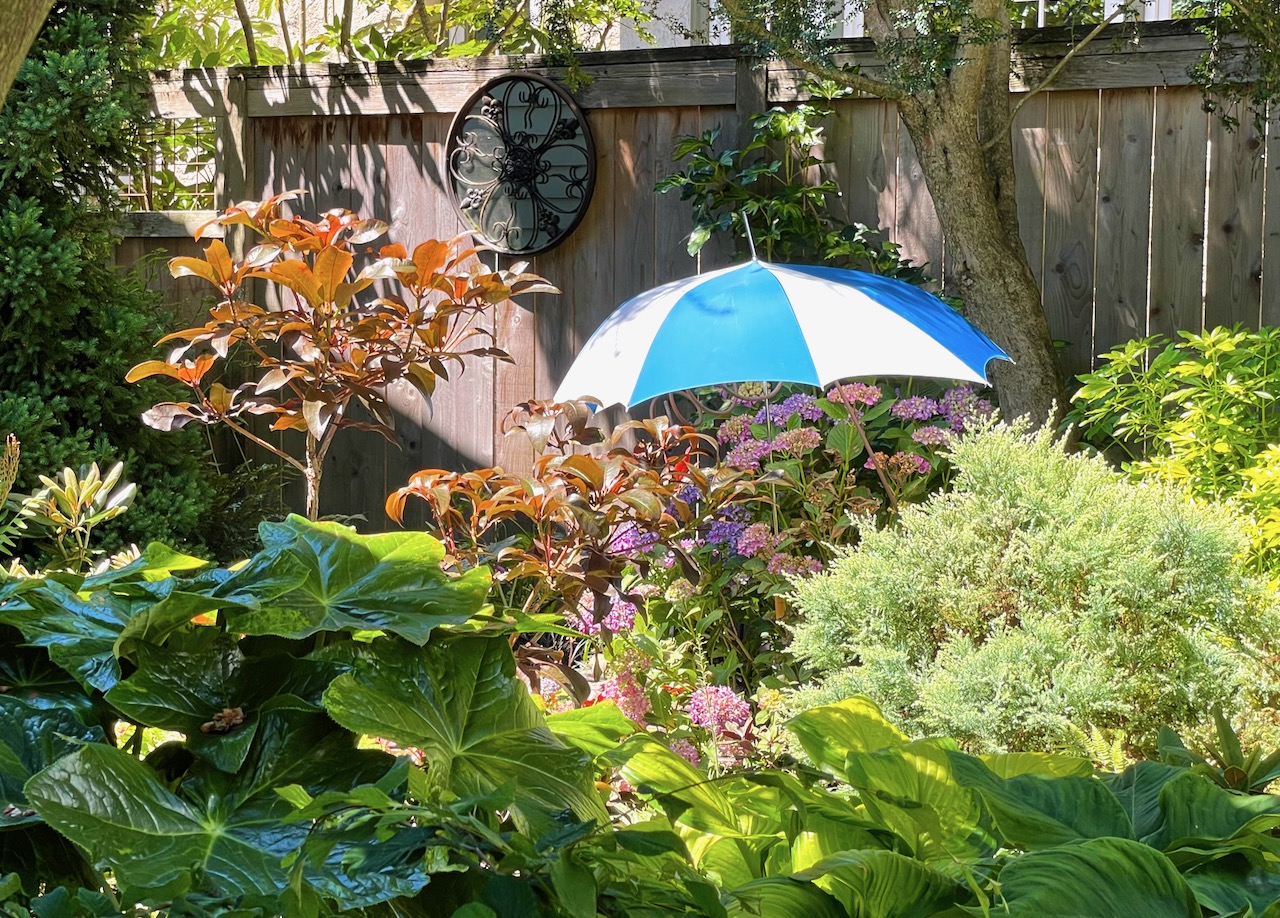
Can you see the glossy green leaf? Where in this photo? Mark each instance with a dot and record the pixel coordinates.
(1193, 807)
(31, 738)
(1138, 790)
(314, 577)
(1227, 887)
(1033, 812)
(82, 633)
(458, 700)
(830, 732)
(217, 833)
(1045, 764)
(653, 769)
(187, 692)
(884, 884)
(781, 896)
(1102, 876)
(595, 729)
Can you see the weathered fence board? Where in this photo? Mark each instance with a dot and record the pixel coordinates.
(1124, 214)
(1126, 190)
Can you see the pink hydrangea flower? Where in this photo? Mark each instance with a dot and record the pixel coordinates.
(686, 750)
(716, 707)
(620, 617)
(625, 691)
(931, 436)
(798, 442)
(855, 394)
(782, 563)
(756, 539)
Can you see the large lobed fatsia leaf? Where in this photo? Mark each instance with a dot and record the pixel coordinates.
(32, 738)
(83, 632)
(459, 701)
(215, 833)
(189, 692)
(1102, 876)
(313, 577)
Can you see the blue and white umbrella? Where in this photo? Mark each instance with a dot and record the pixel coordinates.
(761, 322)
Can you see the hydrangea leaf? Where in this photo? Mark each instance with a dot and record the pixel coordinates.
(314, 577)
(458, 700)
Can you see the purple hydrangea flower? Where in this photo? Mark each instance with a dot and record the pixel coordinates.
(798, 442)
(687, 751)
(920, 463)
(962, 408)
(716, 707)
(620, 617)
(747, 454)
(724, 532)
(931, 436)
(915, 408)
(628, 537)
(756, 539)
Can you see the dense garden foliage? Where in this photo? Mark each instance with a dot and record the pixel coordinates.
(759, 661)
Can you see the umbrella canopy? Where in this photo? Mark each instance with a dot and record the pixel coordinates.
(776, 323)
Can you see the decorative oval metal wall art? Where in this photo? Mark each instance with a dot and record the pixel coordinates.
(520, 163)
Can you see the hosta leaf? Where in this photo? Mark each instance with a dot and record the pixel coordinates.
(1138, 790)
(32, 738)
(781, 896)
(595, 729)
(1045, 764)
(1194, 808)
(1228, 887)
(884, 884)
(458, 700)
(1102, 876)
(652, 768)
(917, 782)
(1033, 812)
(326, 577)
(830, 732)
(217, 833)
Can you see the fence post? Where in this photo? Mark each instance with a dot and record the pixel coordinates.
(751, 92)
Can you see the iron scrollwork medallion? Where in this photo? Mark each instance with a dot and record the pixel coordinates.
(521, 165)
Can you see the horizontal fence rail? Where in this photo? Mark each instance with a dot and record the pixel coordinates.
(1140, 212)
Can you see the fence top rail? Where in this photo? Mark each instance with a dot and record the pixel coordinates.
(1127, 55)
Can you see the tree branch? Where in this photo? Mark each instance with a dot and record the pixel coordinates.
(1053, 74)
(19, 25)
(793, 55)
(246, 24)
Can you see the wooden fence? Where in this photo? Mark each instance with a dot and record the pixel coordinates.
(1139, 211)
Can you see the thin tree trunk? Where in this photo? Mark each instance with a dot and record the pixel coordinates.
(20, 22)
(315, 469)
(246, 23)
(995, 279)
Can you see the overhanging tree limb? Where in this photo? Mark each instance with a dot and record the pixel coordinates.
(1053, 74)
(794, 55)
(20, 22)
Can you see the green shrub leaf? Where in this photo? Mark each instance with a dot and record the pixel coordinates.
(314, 577)
(459, 702)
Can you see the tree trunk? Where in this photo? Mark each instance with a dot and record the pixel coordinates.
(20, 22)
(990, 267)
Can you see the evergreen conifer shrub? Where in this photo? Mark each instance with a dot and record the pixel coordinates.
(1042, 602)
(71, 323)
